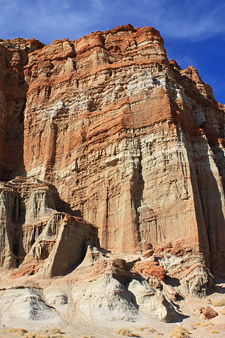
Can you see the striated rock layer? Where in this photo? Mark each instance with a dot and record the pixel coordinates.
(34, 236)
(122, 137)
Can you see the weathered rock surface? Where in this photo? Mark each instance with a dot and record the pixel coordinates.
(25, 206)
(34, 235)
(105, 143)
(107, 299)
(108, 120)
(209, 313)
(27, 306)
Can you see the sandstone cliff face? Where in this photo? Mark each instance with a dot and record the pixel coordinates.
(24, 208)
(35, 236)
(13, 88)
(131, 142)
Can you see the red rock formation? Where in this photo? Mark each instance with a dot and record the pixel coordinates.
(13, 87)
(150, 269)
(132, 143)
(209, 313)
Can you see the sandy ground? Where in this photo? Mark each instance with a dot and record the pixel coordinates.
(192, 320)
(194, 323)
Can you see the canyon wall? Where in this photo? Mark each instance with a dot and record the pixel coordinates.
(126, 139)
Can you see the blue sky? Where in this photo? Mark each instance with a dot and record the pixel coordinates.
(193, 31)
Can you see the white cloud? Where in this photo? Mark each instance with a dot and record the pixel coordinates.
(196, 20)
(198, 26)
(47, 20)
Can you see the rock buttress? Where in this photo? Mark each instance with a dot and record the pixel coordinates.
(132, 143)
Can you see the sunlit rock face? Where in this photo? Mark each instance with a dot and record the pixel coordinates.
(131, 143)
(34, 235)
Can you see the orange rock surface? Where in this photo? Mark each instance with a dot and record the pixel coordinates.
(209, 313)
(150, 269)
(131, 142)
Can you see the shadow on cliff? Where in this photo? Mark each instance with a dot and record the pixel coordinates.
(208, 203)
(12, 164)
(212, 209)
(219, 286)
(14, 102)
(63, 206)
(206, 173)
(136, 191)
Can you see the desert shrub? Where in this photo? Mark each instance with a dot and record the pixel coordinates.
(220, 302)
(126, 332)
(179, 332)
(143, 328)
(57, 330)
(152, 330)
(53, 333)
(200, 325)
(31, 334)
(17, 331)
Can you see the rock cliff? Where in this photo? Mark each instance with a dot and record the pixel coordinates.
(105, 132)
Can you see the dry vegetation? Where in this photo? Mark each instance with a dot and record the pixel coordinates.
(53, 333)
(17, 331)
(200, 325)
(179, 332)
(220, 302)
(126, 332)
(223, 311)
(143, 328)
(150, 330)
